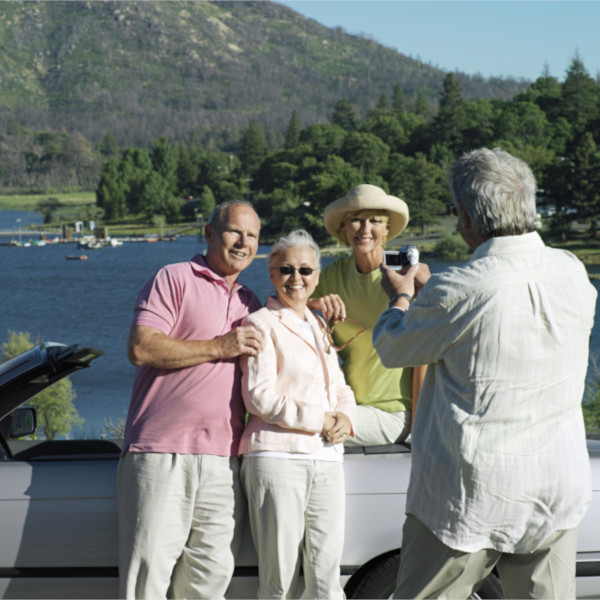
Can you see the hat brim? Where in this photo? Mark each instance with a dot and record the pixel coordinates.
(397, 209)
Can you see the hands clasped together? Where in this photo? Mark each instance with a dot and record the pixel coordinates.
(336, 427)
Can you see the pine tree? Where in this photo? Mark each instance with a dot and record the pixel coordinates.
(580, 97)
(343, 115)
(398, 100)
(254, 148)
(292, 133)
(383, 104)
(450, 121)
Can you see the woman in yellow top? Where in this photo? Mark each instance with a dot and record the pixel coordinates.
(349, 294)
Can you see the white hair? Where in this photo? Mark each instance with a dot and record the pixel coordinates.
(297, 238)
(497, 190)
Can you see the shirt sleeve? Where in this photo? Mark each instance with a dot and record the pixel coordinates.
(158, 302)
(419, 336)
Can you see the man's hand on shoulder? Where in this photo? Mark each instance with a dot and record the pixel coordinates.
(245, 339)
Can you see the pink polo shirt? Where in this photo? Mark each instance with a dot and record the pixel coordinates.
(193, 410)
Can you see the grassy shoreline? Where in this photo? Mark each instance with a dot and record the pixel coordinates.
(586, 248)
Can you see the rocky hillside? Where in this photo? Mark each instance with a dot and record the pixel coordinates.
(194, 70)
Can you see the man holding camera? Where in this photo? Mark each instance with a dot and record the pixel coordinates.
(500, 472)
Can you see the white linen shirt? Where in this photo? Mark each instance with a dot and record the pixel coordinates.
(499, 455)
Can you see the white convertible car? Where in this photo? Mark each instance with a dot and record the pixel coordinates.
(58, 517)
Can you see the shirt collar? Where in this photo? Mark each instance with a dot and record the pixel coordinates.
(508, 244)
(200, 266)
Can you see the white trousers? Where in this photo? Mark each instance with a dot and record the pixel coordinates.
(297, 515)
(179, 516)
(376, 427)
(430, 569)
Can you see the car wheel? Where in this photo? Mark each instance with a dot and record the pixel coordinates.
(377, 582)
(380, 581)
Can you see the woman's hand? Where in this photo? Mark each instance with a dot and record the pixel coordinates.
(331, 307)
(341, 429)
(328, 423)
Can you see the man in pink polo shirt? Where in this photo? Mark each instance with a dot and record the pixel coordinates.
(178, 486)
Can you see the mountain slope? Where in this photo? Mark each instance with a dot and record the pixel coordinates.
(142, 69)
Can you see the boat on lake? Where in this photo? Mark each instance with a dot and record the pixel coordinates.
(76, 257)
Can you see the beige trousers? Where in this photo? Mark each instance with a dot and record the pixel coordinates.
(376, 427)
(430, 569)
(296, 510)
(179, 516)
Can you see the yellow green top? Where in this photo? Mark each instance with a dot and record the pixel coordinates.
(372, 383)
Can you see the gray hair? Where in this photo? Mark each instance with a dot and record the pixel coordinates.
(497, 190)
(219, 214)
(297, 238)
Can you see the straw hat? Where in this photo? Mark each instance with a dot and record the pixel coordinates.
(366, 197)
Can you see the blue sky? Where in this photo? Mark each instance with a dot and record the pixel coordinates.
(493, 38)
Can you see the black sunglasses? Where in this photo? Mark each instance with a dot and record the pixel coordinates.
(289, 270)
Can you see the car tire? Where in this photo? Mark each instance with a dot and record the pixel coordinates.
(380, 581)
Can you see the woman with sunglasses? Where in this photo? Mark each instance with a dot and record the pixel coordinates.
(350, 297)
(300, 413)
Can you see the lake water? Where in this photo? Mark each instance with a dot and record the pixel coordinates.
(89, 302)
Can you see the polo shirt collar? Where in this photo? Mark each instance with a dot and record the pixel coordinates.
(200, 266)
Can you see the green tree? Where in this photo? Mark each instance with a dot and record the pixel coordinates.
(164, 159)
(580, 96)
(55, 406)
(187, 169)
(135, 169)
(319, 183)
(207, 202)
(523, 123)
(109, 147)
(450, 121)
(560, 134)
(585, 181)
(388, 129)
(343, 115)
(478, 125)
(278, 170)
(157, 198)
(545, 91)
(283, 210)
(422, 185)
(383, 104)
(398, 100)
(574, 182)
(322, 139)
(111, 192)
(253, 148)
(47, 208)
(421, 107)
(159, 221)
(292, 133)
(451, 247)
(365, 151)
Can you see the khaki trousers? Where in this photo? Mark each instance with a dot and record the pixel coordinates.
(296, 510)
(430, 569)
(179, 516)
(376, 427)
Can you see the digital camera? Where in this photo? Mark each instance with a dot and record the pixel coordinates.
(404, 258)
